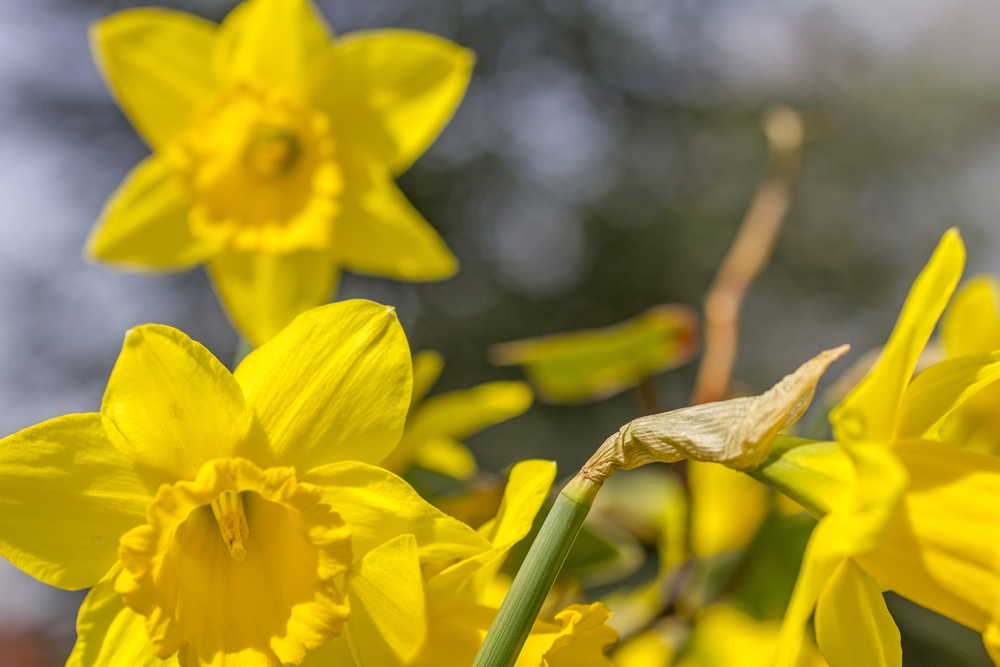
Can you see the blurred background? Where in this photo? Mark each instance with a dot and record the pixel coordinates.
(600, 164)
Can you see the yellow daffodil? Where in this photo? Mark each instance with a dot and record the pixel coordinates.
(274, 152)
(591, 365)
(435, 426)
(908, 512)
(228, 518)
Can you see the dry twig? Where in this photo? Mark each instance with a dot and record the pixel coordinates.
(749, 253)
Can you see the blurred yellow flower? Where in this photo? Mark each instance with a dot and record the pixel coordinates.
(655, 647)
(724, 636)
(590, 365)
(435, 426)
(721, 636)
(274, 152)
(912, 513)
(727, 507)
(219, 517)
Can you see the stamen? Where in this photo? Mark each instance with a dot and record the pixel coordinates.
(274, 150)
(228, 511)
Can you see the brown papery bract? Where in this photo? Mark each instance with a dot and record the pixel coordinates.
(736, 433)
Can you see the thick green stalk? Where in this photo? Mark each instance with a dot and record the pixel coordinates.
(538, 572)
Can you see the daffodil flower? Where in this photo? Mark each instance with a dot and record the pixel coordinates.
(274, 152)
(436, 426)
(905, 511)
(228, 518)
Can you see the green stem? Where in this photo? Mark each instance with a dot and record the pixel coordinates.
(537, 574)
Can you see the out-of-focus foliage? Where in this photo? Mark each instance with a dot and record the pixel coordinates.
(435, 426)
(585, 366)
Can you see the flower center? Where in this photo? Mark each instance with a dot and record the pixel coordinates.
(261, 597)
(273, 151)
(259, 171)
(228, 511)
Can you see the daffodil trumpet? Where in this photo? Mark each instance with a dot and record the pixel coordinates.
(737, 433)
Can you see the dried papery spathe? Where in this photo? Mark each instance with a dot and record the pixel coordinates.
(736, 433)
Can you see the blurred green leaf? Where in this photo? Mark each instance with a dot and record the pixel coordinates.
(590, 365)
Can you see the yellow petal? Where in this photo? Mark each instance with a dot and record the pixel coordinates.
(262, 293)
(724, 637)
(848, 531)
(870, 411)
(726, 508)
(939, 390)
(379, 231)
(379, 506)
(464, 412)
(277, 42)
(157, 63)
(939, 548)
(66, 496)
(427, 366)
(170, 404)
(108, 632)
(386, 594)
(454, 636)
(396, 90)
(853, 625)
(822, 557)
(527, 487)
(272, 604)
(581, 640)
(649, 647)
(882, 481)
(971, 325)
(591, 365)
(144, 224)
(335, 652)
(457, 415)
(446, 456)
(333, 386)
(526, 490)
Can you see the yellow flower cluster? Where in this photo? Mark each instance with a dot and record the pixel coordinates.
(292, 511)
